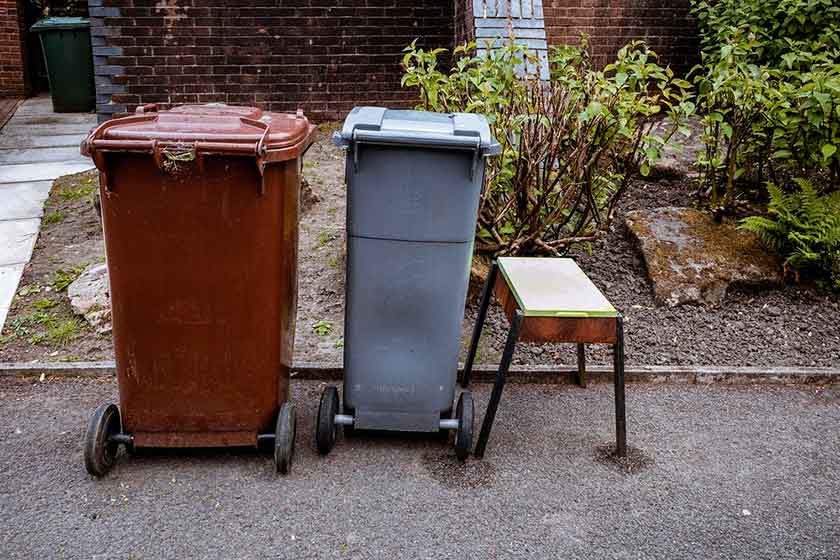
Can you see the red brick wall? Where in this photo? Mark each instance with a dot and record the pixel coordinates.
(324, 56)
(666, 25)
(12, 80)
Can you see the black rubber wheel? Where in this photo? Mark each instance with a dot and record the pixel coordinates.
(284, 438)
(464, 413)
(325, 428)
(100, 451)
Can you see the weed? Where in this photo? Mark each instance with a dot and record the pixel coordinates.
(61, 333)
(53, 218)
(70, 358)
(322, 327)
(324, 237)
(62, 278)
(29, 289)
(44, 303)
(334, 262)
(80, 191)
(339, 342)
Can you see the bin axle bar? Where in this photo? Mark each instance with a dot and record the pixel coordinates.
(445, 424)
(343, 419)
(126, 439)
(449, 424)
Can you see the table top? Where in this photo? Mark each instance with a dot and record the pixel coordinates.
(553, 287)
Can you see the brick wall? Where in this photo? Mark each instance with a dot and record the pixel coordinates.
(12, 80)
(324, 56)
(666, 25)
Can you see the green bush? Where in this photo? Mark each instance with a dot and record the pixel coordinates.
(769, 90)
(803, 227)
(570, 146)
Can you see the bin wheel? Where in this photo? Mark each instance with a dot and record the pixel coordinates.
(464, 413)
(100, 451)
(325, 424)
(284, 438)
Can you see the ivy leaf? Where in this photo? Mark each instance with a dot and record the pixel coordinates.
(828, 150)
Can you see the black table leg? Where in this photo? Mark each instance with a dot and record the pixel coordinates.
(581, 363)
(618, 378)
(479, 323)
(496, 395)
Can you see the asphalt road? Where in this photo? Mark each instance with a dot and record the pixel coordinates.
(721, 472)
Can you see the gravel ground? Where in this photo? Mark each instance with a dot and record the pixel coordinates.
(719, 473)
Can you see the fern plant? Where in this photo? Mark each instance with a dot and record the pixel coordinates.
(804, 228)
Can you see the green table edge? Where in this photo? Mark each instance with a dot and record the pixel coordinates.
(559, 313)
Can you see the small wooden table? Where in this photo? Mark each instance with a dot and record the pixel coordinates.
(549, 300)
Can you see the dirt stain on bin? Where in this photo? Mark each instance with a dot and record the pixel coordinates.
(447, 470)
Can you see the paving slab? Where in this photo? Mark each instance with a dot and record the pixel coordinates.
(22, 172)
(23, 200)
(18, 239)
(36, 155)
(39, 118)
(19, 141)
(44, 129)
(9, 278)
(720, 473)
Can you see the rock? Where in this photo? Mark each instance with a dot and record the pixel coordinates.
(692, 259)
(90, 296)
(679, 157)
(774, 311)
(308, 198)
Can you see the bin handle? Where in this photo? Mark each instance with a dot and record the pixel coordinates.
(147, 108)
(261, 149)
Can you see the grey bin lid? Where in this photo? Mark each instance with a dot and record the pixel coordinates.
(457, 131)
(50, 23)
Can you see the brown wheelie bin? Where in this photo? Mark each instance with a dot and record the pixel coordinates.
(200, 213)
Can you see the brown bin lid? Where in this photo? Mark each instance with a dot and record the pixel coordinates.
(206, 129)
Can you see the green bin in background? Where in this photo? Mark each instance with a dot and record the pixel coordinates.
(67, 54)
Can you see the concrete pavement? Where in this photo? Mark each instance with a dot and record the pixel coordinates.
(36, 147)
(726, 473)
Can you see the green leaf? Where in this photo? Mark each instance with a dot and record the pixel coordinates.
(644, 169)
(828, 150)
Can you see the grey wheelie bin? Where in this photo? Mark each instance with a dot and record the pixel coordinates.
(413, 186)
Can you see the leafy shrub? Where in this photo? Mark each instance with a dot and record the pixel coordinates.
(781, 28)
(570, 146)
(769, 89)
(803, 227)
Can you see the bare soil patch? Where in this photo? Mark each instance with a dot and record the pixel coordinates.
(792, 326)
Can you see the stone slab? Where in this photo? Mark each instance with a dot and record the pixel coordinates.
(23, 200)
(9, 279)
(39, 118)
(18, 239)
(36, 155)
(692, 259)
(21, 140)
(45, 129)
(47, 171)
